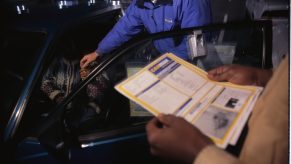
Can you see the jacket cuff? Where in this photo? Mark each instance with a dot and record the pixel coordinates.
(99, 52)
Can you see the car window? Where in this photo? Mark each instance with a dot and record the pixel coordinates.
(94, 107)
(18, 50)
(211, 47)
(61, 71)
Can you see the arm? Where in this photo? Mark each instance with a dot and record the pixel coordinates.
(180, 141)
(269, 118)
(242, 75)
(195, 13)
(190, 13)
(128, 26)
(176, 139)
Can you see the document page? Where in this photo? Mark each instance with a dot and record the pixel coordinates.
(135, 109)
(171, 85)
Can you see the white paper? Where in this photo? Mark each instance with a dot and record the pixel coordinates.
(170, 85)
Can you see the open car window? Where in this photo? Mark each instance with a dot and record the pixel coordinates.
(60, 72)
(95, 111)
(212, 46)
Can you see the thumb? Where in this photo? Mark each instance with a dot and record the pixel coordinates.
(220, 74)
(166, 119)
(84, 62)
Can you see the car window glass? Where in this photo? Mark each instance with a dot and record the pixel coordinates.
(94, 106)
(61, 70)
(227, 46)
(18, 47)
(60, 76)
(213, 47)
(18, 50)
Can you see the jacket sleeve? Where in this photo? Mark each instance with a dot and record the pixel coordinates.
(128, 26)
(213, 153)
(195, 13)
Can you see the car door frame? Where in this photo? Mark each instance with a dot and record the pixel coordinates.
(139, 131)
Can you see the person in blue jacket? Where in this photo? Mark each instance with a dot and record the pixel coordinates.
(155, 16)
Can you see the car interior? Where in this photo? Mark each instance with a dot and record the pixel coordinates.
(80, 39)
(44, 116)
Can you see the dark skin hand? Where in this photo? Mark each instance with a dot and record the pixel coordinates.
(241, 75)
(174, 138)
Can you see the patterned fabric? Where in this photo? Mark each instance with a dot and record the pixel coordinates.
(61, 77)
(97, 88)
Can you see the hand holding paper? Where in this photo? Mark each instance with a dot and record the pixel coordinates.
(170, 85)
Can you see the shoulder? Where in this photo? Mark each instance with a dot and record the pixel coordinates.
(135, 2)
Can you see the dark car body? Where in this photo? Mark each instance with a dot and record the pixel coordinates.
(35, 130)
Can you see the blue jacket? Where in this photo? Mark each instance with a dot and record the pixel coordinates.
(165, 15)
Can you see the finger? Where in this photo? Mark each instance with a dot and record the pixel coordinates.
(221, 77)
(220, 74)
(83, 75)
(152, 126)
(166, 120)
(85, 64)
(153, 132)
(218, 70)
(82, 61)
(213, 72)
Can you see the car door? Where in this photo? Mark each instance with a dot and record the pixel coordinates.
(237, 43)
(18, 59)
(29, 52)
(109, 128)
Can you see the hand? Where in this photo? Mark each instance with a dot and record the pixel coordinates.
(235, 74)
(176, 139)
(59, 98)
(88, 59)
(84, 73)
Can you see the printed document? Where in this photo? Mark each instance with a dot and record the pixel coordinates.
(171, 85)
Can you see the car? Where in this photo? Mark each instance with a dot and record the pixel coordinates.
(278, 12)
(36, 129)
